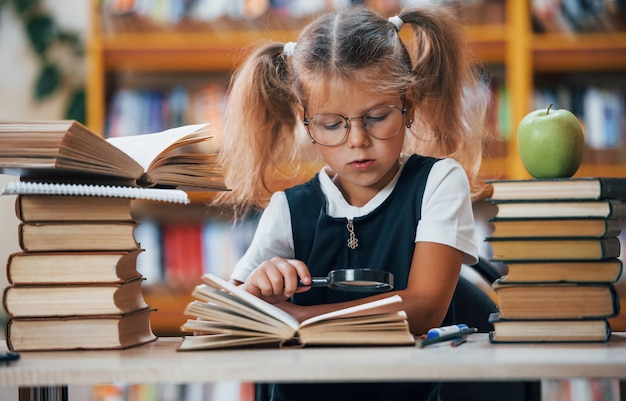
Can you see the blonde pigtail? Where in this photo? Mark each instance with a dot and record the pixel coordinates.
(258, 128)
(451, 100)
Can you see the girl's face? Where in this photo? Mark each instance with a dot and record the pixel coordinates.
(363, 164)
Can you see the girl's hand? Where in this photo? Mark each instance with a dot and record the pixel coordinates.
(276, 280)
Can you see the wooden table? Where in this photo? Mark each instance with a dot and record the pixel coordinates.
(476, 360)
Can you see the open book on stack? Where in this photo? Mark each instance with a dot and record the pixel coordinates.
(559, 241)
(225, 315)
(75, 284)
(67, 151)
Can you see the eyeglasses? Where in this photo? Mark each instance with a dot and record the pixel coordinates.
(383, 122)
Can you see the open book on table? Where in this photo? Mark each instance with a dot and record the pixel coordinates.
(228, 316)
(66, 150)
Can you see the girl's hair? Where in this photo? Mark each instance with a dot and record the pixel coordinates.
(432, 71)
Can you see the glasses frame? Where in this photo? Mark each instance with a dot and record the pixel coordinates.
(306, 122)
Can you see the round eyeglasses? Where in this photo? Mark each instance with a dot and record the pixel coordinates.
(381, 122)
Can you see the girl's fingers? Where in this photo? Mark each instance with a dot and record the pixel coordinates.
(302, 270)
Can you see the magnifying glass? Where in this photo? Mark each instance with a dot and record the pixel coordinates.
(355, 280)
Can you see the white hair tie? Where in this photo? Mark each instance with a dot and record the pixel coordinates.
(397, 22)
(289, 48)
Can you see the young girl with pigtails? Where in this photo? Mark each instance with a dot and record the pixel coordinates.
(400, 128)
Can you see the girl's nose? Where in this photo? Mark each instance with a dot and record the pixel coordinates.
(357, 135)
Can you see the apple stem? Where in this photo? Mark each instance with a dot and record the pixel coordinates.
(549, 107)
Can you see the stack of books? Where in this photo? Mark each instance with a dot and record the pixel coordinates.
(559, 241)
(75, 284)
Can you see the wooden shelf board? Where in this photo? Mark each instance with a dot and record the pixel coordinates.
(223, 50)
(605, 170)
(580, 52)
(488, 42)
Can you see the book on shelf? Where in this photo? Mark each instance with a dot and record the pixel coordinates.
(557, 300)
(228, 316)
(555, 330)
(584, 188)
(183, 253)
(563, 248)
(74, 299)
(576, 227)
(75, 333)
(72, 267)
(77, 236)
(605, 208)
(554, 271)
(66, 150)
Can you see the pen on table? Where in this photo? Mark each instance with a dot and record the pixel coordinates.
(447, 337)
(458, 341)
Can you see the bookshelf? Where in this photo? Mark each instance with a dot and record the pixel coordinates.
(122, 44)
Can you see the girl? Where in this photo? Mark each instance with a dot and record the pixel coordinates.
(400, 129)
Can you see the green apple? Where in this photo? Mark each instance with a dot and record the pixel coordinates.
(550, 143)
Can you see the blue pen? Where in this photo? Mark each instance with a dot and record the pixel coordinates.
(451, 334)
(445, 330)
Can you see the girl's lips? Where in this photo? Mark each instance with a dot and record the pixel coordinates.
(362, 164)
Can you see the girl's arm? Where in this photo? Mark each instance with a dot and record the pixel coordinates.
(434, 273)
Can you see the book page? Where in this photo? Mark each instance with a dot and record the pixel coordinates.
(221, 341)
(236, 305)
(354, 310)
(145, 148)
(257, 302)
(226, 317)
(205, 327)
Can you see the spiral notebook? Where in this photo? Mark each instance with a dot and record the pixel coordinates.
(39, 188)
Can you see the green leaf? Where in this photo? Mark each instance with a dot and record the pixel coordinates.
(73, 41)
(76, 106)
(47, 82)
(40, 30)
(24, 6)
(70, 38)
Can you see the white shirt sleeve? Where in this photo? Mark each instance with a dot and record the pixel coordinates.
(447, 216)
(272, 238)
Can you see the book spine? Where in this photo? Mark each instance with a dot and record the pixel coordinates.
(613, 227)
(7, 334)
(616, 300)
(617, 209)
(20, 237)
(5, 302)
(9, 268)
(612, 188)
(18, 208)
(611, 247)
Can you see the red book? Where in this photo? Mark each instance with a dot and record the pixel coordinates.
(183, 254)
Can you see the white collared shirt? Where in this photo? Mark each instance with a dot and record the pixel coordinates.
(447, 216)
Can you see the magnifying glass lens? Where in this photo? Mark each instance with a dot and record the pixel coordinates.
(358, 280)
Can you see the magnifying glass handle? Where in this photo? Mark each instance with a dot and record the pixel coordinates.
(316, 282)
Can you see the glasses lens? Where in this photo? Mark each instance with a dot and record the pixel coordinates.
(383, 122)
(328, 129)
